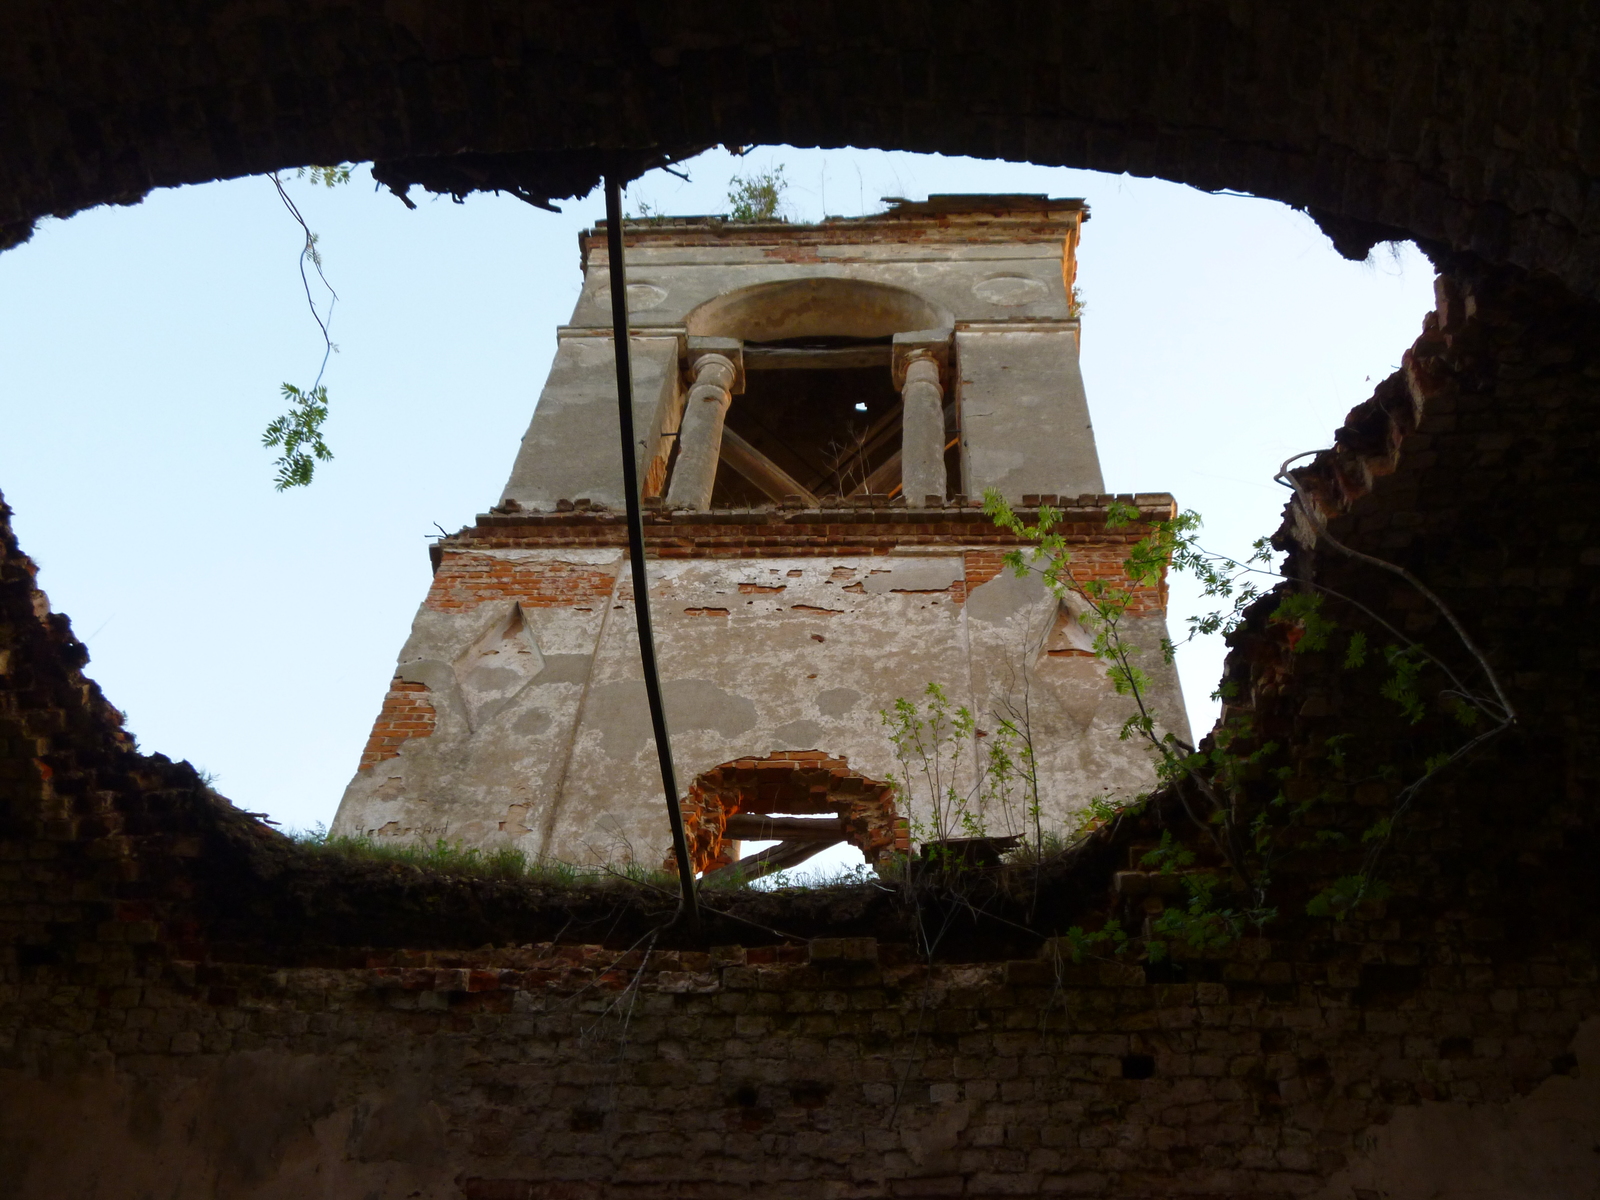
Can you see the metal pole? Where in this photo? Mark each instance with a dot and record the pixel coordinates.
(688, 903)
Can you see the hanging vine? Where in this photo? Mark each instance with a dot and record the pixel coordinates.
(298, 432)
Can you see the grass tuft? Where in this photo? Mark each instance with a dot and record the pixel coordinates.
(452, 858)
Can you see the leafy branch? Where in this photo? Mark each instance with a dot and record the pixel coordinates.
(1210, 784)
(301, 426)
(326, 176)
(299, 433)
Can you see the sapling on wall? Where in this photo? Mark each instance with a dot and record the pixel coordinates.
(930, 740)
(1212, 784)
(758, 196)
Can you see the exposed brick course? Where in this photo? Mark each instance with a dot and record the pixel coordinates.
(463, 578)
(407, 713)
(463, 581)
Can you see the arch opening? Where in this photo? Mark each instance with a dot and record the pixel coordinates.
(821, 414)
(822, 307)
(738, 801)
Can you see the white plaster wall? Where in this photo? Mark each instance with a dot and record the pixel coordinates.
(483, 781)
(972, 283)
(1071, 707)
(571, 448)
(755, 681)
(1025, 424)
(563, 763)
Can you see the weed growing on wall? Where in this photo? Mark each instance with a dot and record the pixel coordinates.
(1218, 786)
(929, 743)
(757, 196)
(455, 858)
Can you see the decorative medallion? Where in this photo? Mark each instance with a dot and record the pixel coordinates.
(641, 296)
(1009, 291)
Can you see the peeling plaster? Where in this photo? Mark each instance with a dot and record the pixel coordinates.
(805, 668)
(1544, 1144)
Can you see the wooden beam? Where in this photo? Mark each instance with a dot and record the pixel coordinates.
(884, 428)
(788, 358)
(774, 858)
(877, 482)
(754, 827)
(761, 470)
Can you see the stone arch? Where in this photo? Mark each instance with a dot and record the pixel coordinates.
(790, 781)
(812, 308)
(460, 98)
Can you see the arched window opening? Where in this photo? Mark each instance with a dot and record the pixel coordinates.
(814, 389)
(737, 801)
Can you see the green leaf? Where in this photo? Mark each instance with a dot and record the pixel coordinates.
(326, 176)
(1356, 652)
(298, 433)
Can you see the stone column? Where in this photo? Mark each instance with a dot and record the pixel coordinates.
(700, 434)
(922, 438)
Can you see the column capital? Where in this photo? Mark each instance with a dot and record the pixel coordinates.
(920, 343)
(731, 350)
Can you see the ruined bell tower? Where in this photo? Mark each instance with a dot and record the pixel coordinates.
(821, 408)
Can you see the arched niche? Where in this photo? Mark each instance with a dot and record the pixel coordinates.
(815, 308)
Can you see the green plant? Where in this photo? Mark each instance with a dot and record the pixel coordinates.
(1009, 780)
(326, 176)
(1083, 943)
(299, 433)
(757, 196)
(308, 408)
(1213, 785)
(929, 742)
(1101, 810)
(648, 212)
(454, 858)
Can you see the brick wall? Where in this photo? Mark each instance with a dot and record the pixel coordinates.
(777, 532)
(1093, 559)
(406, 713)
(464, 580)
(835, 1067)
(981, 566)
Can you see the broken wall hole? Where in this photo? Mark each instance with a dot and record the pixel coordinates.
(804, 800)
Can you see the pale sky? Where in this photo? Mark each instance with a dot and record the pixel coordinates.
(254, 633)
